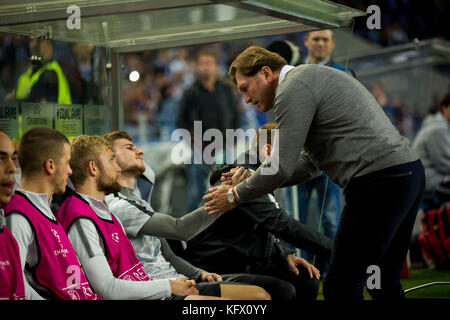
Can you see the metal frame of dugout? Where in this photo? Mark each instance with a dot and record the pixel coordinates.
(138, 25)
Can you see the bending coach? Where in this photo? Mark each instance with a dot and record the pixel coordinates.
(328, 120)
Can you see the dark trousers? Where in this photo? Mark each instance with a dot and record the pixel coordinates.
(279, 290)
(375, 229)
(306, 289)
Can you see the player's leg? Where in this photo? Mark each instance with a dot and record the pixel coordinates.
(243, 292)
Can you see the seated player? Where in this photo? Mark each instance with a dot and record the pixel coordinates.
(143, 227)
(49, 263)
(252, 245)
(11, 276)
(101, 244)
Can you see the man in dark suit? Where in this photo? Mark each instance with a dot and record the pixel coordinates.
(320, 45)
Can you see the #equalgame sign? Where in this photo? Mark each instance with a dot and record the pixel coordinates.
(9, 119)
(69, 119)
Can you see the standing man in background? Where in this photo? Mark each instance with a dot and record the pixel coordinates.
(214, 103)
(320, 45)
(44, 81)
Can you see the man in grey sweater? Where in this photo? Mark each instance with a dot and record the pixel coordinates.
(327, 120)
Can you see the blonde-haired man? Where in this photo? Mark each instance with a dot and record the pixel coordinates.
(148, 230)
(100, 241)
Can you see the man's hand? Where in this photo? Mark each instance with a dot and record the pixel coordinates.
(235, 176)
(210, 277)
(217, 200)
(294, 261)
(183, 287)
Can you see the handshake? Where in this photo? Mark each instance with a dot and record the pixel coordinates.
(235, 176)
(217, 199)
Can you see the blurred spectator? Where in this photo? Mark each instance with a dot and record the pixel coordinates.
(44, 81)
(140, 96)
(379, 93)
(181, 72)
(432, 144)
(214, 103)
(84, 89)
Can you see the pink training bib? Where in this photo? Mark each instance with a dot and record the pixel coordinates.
(58, 268)
(119, 251)
(11, 278)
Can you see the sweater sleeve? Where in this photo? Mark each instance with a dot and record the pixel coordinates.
(183, 228)
(139, 220)
(294, 109)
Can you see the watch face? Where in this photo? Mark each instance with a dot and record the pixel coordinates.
(231, 197)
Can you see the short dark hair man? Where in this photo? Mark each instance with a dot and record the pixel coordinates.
(44, 156)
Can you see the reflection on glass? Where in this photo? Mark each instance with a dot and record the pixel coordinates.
(49, 83)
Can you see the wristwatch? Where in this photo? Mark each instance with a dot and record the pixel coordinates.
(231, 198)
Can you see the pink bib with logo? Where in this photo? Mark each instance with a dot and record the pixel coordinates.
(58, 268)
(119, 251)
(11, 278)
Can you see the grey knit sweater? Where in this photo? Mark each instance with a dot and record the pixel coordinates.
(334, 118)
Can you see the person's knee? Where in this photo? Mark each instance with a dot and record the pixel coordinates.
(308, 289)
(290, 292)
(284, 291)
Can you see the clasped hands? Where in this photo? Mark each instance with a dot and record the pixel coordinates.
(217, 198)
(185, 287)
